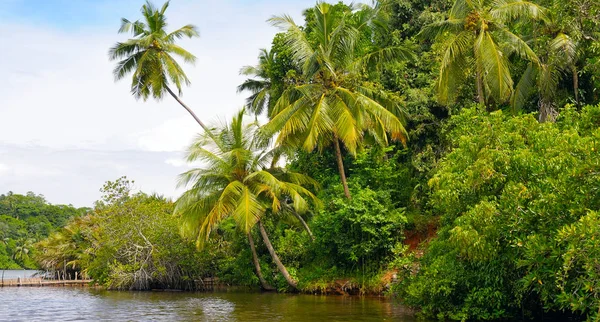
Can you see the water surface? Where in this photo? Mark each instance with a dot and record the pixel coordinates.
(14, 274)
(88, 304)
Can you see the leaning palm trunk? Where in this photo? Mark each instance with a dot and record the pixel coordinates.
(204, 127)
(305, 225)
(340, 163)
(278, 262)
(263, 283)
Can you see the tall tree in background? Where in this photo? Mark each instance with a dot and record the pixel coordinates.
(560, 58)
(267, 80)
(568, 69)
(149, 56)
(476, 38)
(238, 181)
(259, 84)
(333, 104)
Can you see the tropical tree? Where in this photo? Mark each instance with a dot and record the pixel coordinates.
(237, 180)
(333, 104)
(259, 84)
(68, 249)
(476, 38)
(149, 56)
(559, 60)
(22, 249)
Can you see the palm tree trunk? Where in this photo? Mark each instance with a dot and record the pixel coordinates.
(204, 127)
(575, 83)
(480, 94)
(263, 283)
(304, 224)
(547, 112)
(280, 265)
(187, 109)
(340, 163)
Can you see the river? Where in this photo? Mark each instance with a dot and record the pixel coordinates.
(89, 304)
(14, 274)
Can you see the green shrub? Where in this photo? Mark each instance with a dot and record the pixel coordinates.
(358, 233)
(507, 190)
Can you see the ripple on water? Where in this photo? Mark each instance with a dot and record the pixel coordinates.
(84, 304)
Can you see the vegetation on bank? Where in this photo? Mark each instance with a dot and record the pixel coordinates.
(25, 220)
(441, 151)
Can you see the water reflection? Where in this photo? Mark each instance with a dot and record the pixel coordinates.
(83, 304)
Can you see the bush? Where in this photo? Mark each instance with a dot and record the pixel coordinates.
(358, 233)
(507, 190)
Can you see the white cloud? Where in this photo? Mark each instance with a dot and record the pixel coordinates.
(178, 163)
(31, 170)
(171, 135)
(3, 169)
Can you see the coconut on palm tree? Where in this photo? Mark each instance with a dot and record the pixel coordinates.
(333, 105)
(476, 38)
(237, 180)
(150, 56)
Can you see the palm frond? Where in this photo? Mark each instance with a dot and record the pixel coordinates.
(565, 49)
(318, 125)
(177, 50)
(295, 37)
(126, 65)
(452, 67)
(497, 74)
(515, 9)
(249, 210)
(524, 88)
(189, 31)
(378, 58)
(440, 28)
(124, 49)
(174, 72)
(518, 45)
(137, 27)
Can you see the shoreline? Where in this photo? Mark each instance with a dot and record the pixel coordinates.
(38, 282)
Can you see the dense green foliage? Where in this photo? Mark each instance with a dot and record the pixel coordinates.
(454, 143)
(128, 242)
(25, 219)
(509, 196)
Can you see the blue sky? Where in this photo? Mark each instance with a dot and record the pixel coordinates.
(64, 13)
(66, 127)
(95, 13)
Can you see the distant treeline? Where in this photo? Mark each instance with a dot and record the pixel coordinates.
(25, 220)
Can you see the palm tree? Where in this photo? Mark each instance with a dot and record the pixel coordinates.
(259, 84)
(545, 76)
(333, 104)
(69, 247)
(237, 180)
(476, 37)
(149, 56)
(22, 249)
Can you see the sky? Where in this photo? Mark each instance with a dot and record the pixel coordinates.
(66, 127)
